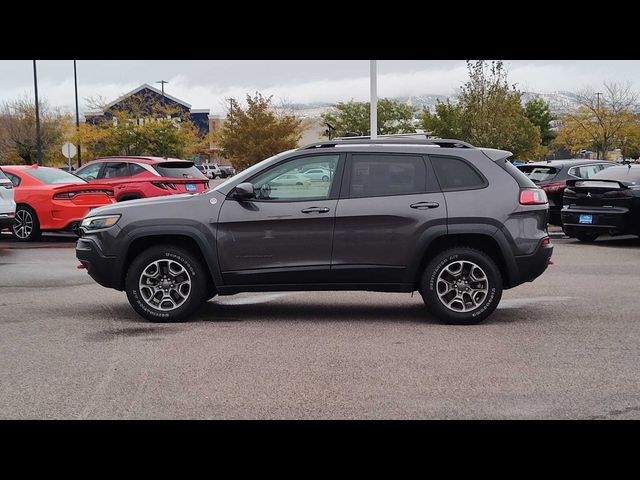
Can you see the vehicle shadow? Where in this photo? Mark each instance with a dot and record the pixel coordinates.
(625, 241)
(321, 312)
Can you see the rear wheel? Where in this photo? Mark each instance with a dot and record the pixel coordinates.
(461, 286)
(166, 283)
(586, 236)
(26, 227)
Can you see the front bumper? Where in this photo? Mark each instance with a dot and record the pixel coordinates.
(99, 266)
(6, 220)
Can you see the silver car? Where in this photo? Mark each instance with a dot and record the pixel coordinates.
(7, 204)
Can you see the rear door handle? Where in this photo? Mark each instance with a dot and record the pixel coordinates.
(425, 205)
(315, 210)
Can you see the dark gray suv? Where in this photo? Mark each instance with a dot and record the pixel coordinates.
(457, 223)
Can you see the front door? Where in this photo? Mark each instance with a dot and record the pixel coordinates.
(285, 234)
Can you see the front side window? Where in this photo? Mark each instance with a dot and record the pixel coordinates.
(456, 174)
(90, 172)
(380, 175)
(291, 181)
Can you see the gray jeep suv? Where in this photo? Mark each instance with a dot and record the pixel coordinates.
(457, 223)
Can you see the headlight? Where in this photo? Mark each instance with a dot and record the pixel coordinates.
(100, 222)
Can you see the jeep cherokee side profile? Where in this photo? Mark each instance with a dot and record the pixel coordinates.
(457, 223)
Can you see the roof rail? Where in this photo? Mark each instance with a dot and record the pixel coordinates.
(439, 142)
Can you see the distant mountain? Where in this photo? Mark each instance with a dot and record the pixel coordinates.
(558, 102)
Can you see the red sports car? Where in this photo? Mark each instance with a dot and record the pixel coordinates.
(141, 177)
(50, 199)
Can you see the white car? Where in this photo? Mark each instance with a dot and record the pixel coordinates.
(318, 174)
(210, 170)
(7, 204)
(290, 179)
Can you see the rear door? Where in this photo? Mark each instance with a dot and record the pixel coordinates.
(389, 203)
(284, 235)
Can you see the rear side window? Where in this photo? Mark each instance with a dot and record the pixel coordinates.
(537, 173)
(456, 174)
(178, 170)
(2, 175)
(136, 169)
(116, 170)
(380, 175)
(53, 176)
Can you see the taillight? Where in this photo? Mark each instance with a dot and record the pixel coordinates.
(553, 187)
(533, 197)
(164, 186)
(72, 195)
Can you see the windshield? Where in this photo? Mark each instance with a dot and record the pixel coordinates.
(537, 173)
(53, 176)
(178, 170)
(622, 174)
(248, 171)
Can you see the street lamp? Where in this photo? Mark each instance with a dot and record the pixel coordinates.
(75, 83)
(38, 136)
(373, 120)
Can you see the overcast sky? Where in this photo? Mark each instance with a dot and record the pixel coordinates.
(206, 83)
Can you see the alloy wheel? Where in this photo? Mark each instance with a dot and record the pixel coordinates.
(23, 224)
(462, 286)
(165, 285)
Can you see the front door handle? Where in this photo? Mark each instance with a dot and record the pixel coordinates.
(315, 210)
(424, 205)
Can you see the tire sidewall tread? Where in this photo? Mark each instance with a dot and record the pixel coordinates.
(188, 261)
(430, 295)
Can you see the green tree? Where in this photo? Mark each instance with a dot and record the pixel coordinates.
(601, 121)
(18, 143)
(488, 112)
(256, 132)
(354, 117)
(539, 113)
(155, 130)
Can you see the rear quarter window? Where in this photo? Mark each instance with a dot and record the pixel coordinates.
(3, 176)
(538, 173)
(456, 174)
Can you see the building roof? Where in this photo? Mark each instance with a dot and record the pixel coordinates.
(142, 87)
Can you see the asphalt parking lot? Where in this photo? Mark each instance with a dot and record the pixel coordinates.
(564, 347)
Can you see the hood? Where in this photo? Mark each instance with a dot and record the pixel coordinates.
(123, 207)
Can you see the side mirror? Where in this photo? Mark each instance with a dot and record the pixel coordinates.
(244, 191)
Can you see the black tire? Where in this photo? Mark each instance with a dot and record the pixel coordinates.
(325, 179)
(27, 215)
(429, 285)
(192, 265)
(586, 236)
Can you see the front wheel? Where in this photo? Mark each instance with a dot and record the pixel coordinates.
(166, 283)
(461, 286)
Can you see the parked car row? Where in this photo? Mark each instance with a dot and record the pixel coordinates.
(52, 199)
(213, 170)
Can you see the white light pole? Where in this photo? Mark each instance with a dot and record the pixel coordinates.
(374, 99)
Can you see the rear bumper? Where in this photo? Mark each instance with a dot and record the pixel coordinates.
(604, 220)
(532, 266)
(98, 265)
